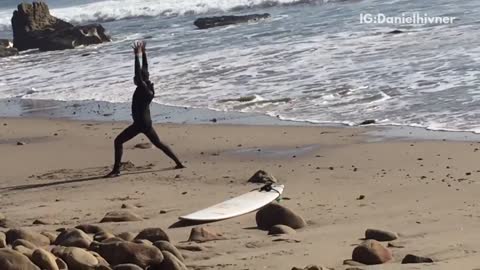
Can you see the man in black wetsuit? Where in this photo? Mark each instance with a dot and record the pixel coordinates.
(142, 122)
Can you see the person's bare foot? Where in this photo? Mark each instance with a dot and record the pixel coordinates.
(180, 166)
(112, 174)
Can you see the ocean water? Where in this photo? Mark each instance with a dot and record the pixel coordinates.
(312, 61)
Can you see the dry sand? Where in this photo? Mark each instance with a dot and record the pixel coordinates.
(426, 191)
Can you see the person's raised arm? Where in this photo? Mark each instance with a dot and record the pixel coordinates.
(136, 52)
(144, 61)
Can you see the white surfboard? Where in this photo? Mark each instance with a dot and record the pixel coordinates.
(237, 206)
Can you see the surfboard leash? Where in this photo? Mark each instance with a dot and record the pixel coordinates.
(268, 187)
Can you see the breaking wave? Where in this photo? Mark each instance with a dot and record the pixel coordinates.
(112, 10)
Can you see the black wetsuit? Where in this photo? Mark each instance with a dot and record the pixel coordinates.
(142, 121)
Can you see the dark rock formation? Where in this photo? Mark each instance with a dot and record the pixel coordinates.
(395, 32)
(6, 48)
(276, 214)
(367, 122)
(209, 22)
(416, 259)
(34, 27)
(380, 235)
(13, 260)
(262, 177)
(128, 252)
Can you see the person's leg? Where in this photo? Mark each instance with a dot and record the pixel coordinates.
(126, 135)
(153, 137)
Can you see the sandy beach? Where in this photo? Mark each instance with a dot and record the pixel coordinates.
(426, 191)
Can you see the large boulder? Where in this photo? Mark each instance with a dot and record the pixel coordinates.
(3, 240)
(34, 27)
(101, 260)
(128, 252)
(209, 22)
(127, 236)
(35, 238)
(73, 238)
(170, 262)
(73, 37)
(62, 265)
(153, 235)
(45, 260)
(50, 235)
(13, 260)
(276, 214)
(102, 236)
(167, 246)
(24, 250)
(143, 241)
(23, 242)
(77, 258)
(112, 240)
(371, 252)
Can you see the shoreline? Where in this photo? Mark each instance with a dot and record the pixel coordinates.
(101, 111)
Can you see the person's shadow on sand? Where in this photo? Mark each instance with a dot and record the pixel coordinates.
(77, 180)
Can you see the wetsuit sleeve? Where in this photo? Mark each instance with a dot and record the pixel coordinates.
(138, 72)
(145, 66)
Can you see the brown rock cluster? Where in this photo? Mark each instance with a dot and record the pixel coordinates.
(76, 249)
(372, 252)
